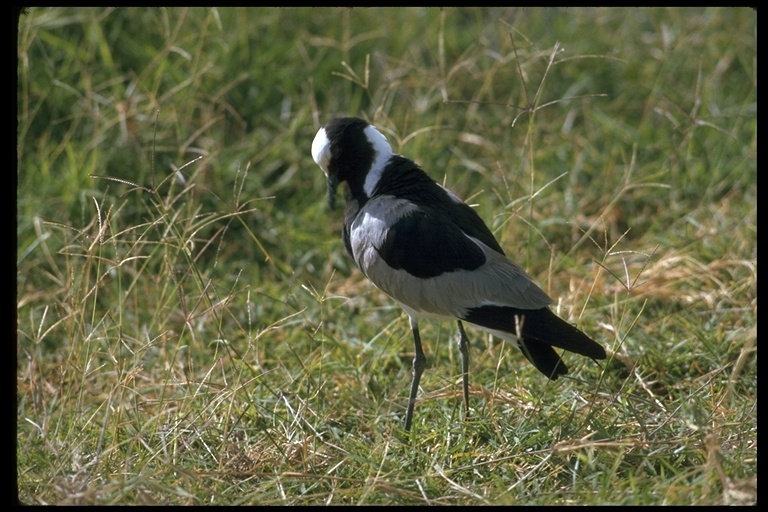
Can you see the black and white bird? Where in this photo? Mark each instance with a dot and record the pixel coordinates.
(432, 253)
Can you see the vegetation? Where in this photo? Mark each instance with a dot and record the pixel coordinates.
(190, 330)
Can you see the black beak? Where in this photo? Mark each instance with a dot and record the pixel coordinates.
(333, 185)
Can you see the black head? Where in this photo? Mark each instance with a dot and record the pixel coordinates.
(347, 149)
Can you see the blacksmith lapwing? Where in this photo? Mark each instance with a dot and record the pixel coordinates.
(432, 253)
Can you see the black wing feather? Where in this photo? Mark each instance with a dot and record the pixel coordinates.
(425, 246)
(432, 240)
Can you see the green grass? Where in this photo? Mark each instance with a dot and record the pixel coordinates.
(190, 330)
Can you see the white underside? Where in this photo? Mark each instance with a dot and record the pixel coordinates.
(416, 316)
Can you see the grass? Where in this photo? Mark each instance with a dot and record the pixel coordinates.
(190, 330)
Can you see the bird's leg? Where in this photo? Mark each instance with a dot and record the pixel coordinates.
(464, 352)
(419, 363)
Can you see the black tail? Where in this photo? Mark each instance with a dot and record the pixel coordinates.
(544, 358)
(541, 330)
